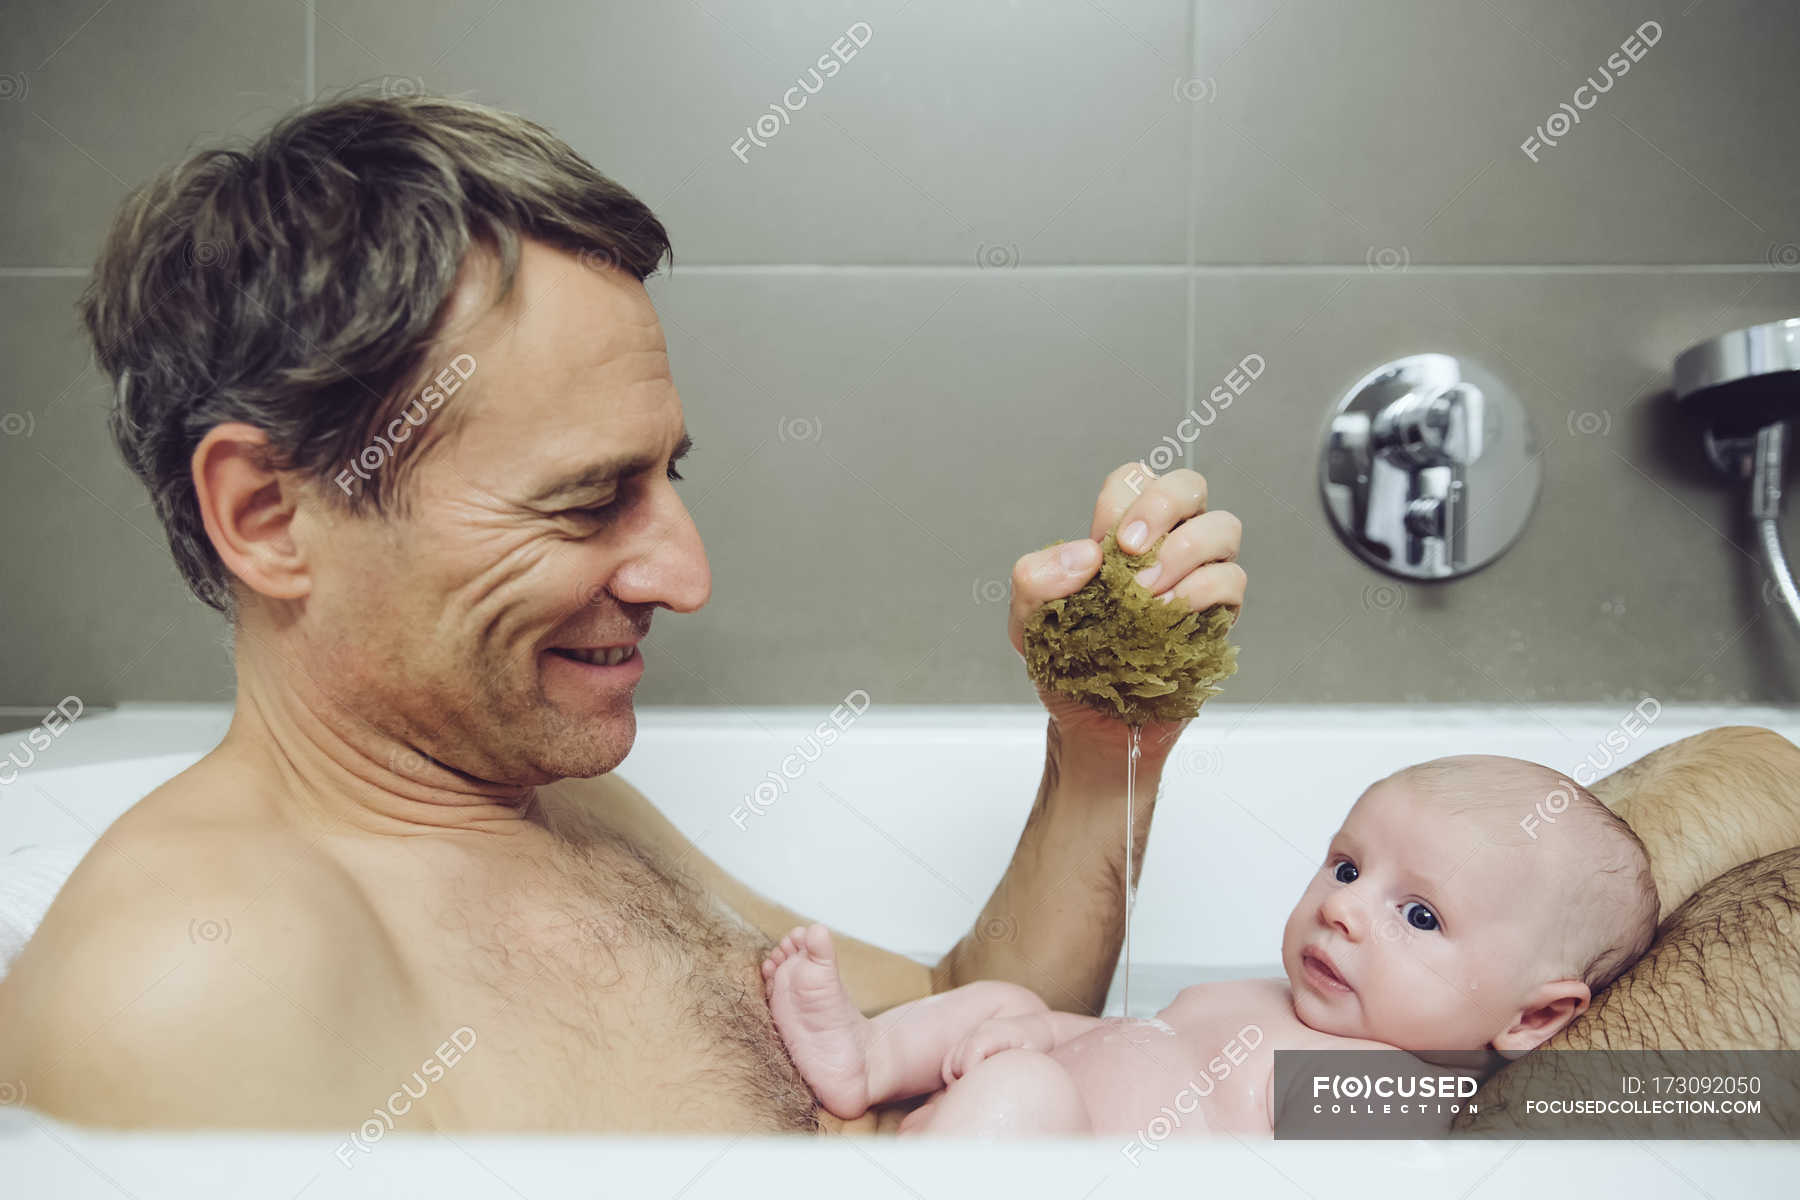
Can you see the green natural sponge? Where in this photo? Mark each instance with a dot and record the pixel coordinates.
(1116, 647)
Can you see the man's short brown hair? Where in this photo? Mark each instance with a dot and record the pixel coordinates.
(298, 285)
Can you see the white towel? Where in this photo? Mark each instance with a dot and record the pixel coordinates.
(30, 877)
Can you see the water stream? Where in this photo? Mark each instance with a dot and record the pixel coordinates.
(1131, 760)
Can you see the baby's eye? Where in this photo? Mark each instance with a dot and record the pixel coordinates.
(1418, 916)
(1345, 872)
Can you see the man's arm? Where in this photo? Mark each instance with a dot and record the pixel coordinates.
(1056, 919)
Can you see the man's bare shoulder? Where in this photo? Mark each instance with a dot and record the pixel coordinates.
(186, 946)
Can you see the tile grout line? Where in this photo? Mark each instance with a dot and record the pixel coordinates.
(310, 52)
(1149, 269)
(1198, 269)
(1189, 160)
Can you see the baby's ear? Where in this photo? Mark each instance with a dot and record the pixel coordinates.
(1548, 1008)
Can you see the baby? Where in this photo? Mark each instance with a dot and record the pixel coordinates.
(1442, 922)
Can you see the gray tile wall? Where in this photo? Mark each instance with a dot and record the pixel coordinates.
(1000, 252)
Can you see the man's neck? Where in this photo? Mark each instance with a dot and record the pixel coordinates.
(338, 769)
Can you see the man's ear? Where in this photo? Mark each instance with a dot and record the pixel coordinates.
(1548, 1008)
(248, 508)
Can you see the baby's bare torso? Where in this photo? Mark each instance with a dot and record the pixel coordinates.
(1203, 1065)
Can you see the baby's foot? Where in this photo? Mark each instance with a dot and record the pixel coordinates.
(825, 1034)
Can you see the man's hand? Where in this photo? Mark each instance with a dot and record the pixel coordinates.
(1196, 566)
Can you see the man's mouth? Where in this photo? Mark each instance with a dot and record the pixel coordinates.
(597, 656)
(1321, 973)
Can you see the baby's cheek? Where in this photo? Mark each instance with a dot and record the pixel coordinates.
(1427, 1013)
(1387, 1007)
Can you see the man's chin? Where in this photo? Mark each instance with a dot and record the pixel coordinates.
(579, 766)
(594, 747)
(602, 749)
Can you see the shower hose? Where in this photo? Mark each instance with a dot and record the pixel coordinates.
(1765, 511)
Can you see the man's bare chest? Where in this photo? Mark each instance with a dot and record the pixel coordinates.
(598, 991)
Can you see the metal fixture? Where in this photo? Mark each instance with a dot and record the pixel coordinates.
(1430, 468)
(1747, 385)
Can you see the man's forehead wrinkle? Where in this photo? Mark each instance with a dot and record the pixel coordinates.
(548, 369)
(576, 414)
(596, 383)
(634, 380)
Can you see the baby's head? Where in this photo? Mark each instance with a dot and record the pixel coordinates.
(1443, 919)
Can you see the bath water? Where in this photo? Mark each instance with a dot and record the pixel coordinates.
(1131, 759)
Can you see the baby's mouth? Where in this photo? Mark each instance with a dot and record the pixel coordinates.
(1320, 972)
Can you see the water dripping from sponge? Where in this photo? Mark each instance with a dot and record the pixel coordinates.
(1115, 647)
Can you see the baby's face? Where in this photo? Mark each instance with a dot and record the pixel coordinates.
(1422, 929)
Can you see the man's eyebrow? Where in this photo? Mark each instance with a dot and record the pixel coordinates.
(606, 471)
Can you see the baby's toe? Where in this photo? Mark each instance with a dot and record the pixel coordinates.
(817, 939)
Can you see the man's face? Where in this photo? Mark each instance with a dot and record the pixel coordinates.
(1422, 927)
(548, 520)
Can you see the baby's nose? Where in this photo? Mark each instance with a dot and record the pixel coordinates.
(1344, 910)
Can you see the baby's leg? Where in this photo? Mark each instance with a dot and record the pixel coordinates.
(852, 1062)
(1708, 804)
(1016, 1093)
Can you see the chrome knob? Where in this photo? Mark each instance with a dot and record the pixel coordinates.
(1430, 468)
(1425, 517)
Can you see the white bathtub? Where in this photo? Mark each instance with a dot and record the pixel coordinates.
(923, 805)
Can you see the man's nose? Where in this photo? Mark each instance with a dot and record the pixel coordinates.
(670, 567)
(1343, 909)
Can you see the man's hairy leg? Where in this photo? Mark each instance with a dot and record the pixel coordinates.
(1708, 803)
(1719, 813)
(1723, 974)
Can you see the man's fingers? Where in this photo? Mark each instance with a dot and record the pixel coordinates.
(1215, 583)
(1048, 574)
(1209, 537)
(1053, 572)
(1145, 506)
(1123, 486)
